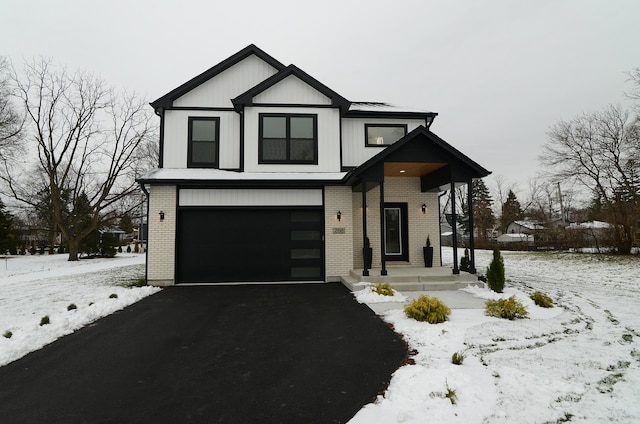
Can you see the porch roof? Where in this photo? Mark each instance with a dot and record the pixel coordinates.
(420, 153)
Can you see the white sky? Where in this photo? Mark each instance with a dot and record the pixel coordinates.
(499, 72)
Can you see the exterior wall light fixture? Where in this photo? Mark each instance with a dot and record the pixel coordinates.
(339, 216)
(424, 208)
(161, 215)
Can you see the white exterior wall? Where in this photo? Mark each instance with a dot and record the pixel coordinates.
(291, 90)
(354, 150)
(227, 85)
(338, 234)
(401, 190)
(176, 134)
(328, 140)
(162, 236)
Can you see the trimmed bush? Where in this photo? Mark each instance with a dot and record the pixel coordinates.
(7, 334)
(429, 309)
(44, 320)
(542, 300)
(495, 272)
(71, 307)
(458, 358)
(509, 308)
(383, 289)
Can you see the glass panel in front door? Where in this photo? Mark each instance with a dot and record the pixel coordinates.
(392, 228)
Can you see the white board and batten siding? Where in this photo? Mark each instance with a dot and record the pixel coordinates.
(292, 90)
(354, 150)
(227, 85)
(176, 132)
(328, 121)
(250, 197)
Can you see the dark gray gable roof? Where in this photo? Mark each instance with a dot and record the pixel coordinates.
(252, 49)
(420, 133)
(246, 98)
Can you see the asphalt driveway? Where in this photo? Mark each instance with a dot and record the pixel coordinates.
(222, 354)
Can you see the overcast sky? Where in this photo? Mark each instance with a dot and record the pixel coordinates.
(498, 72)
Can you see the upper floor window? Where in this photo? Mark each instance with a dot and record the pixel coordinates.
(383, 134)
(288, 138)
(203, 142)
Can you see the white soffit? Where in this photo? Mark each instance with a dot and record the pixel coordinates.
(250, 197)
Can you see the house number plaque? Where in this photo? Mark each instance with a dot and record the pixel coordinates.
(339, 230)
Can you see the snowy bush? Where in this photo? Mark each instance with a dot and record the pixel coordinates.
(8, 334)
(383, 289)
(495, 272)
(542, 300)
(44, 320)
(457, 358)
(113, 296)
(71, 307)
(429, 309)
(509, 308)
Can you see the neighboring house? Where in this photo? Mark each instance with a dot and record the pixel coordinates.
(265, 172)
(509, 238)
(524, 227)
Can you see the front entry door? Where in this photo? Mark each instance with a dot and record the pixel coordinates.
(396, 232)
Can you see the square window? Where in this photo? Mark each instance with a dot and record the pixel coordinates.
(203, 143)
(384, 134)
(288, 139)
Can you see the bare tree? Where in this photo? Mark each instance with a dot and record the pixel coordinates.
(10, 120)
(87, 139)
(601, 152)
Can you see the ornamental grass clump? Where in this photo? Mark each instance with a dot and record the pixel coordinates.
(542, 300)
(429, 309)
(383, 289)
(509, 308)
(457, 358)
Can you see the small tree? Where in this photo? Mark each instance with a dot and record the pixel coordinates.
(465, 261)
(495, 272)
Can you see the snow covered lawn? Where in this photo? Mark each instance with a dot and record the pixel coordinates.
(577, 362)
(32, 287)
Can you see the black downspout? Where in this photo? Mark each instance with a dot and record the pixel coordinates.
(472, 244)
(161, 152)
(383, 271)
(454, 218)
(241, 164)
(439, 227)
(146, 251)
(365, 271)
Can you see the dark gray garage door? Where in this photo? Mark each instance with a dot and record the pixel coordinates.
(249, 244)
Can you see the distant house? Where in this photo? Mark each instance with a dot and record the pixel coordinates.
(524, 227)
(266, 174)
(509, 238)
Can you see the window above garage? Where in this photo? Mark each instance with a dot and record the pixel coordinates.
(204, 146)
(288, 138)
(380, 135)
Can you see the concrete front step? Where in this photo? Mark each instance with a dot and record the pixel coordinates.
(413, 279)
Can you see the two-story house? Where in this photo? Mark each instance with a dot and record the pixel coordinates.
(266, 174)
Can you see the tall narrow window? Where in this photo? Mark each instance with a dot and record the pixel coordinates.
(287, 138)
(204, 146)
(383, 134)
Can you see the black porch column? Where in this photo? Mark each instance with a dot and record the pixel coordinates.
(365, 271)
(472, 244)
(383, 240)
(454, 236)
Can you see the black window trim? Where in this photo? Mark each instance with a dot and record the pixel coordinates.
(366, 133)
(190, 162)
(288, 117)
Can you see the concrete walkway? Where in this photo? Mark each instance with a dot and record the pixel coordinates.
(454, 299)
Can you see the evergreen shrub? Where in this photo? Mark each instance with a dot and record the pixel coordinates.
(495, 272)
(542, 300)
(509, 308)
(429, 309)
(383, 289)
(113, 296)
(44, 320)
(71, 307)
(7, 334)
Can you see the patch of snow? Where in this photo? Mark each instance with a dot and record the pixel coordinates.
(367, 295)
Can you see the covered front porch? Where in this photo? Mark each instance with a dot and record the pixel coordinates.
(396, 208)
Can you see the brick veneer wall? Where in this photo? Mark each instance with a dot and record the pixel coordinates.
(338, 234)
(402, 190)
(162, 236)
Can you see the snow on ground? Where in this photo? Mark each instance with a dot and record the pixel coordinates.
(32, 287)
(577, 362)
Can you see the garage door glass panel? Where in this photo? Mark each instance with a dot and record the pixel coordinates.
(305, 253)
(305, 235)
(306, 217)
